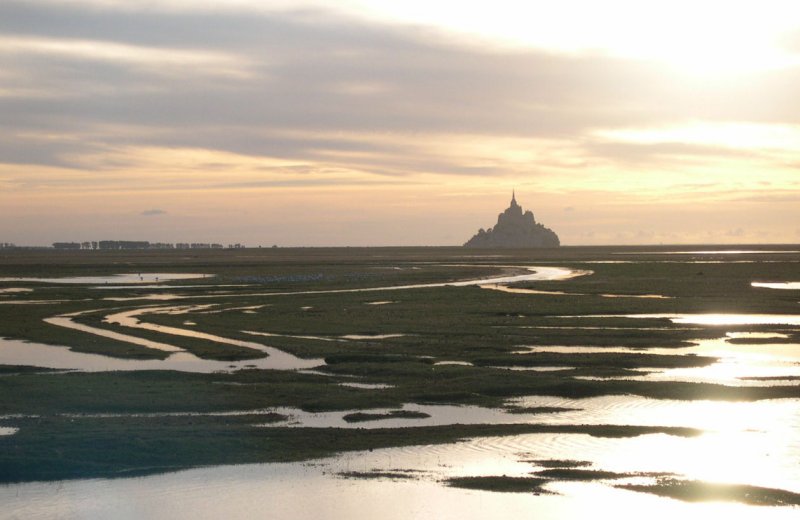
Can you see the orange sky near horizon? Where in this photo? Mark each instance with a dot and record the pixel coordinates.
(382, 123)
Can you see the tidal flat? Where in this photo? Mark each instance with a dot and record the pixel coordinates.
(275, 352)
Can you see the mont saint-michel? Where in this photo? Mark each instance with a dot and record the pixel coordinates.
(515, 229)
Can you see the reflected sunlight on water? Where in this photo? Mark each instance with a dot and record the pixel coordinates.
(777, 285)
(745, 442)
(283, 491)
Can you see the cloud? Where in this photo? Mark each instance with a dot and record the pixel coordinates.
(153, 212)
(738, 232)
(791, 41)
(305, 84)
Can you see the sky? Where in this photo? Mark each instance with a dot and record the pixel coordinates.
(376, 122)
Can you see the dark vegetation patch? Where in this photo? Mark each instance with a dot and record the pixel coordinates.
(537, 409)
(589, 475)
(635, 335)
(577, 474)
(620, 431)
(556, 463)
(608, 372)
(377, 475)
(611, 360)
(791, 340)
(371, 358)
(394, 414)
(10, 370)
(769, 378)
(501, 484)
(540, 478)
(697, 491)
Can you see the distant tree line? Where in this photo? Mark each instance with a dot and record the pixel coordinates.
(136, 244)
(7, 245)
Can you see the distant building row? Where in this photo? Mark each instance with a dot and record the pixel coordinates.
(136, 244)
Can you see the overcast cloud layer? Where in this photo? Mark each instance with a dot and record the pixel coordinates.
(259, 108)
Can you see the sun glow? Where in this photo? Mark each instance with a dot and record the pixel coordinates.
(710, 37)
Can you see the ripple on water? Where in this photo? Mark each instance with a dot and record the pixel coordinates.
(247, 491)
(756, 443)
(641, 411)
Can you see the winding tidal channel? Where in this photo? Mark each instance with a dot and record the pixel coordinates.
(16, 352)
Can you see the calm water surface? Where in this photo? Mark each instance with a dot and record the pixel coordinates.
(284, 491)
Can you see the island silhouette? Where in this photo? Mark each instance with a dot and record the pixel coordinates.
(514, 229)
